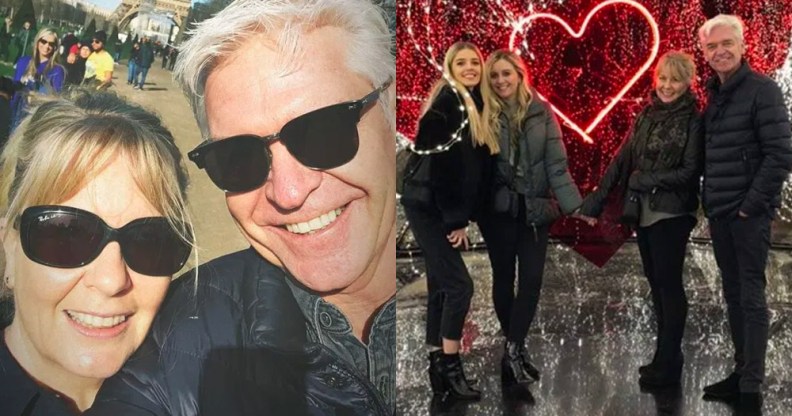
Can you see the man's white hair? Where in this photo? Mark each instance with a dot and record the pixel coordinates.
(369, 51)
(728, 20)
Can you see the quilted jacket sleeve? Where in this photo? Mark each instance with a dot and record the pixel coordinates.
(772, 130)
(557, 167)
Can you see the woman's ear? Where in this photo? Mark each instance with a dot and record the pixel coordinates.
(10, 245)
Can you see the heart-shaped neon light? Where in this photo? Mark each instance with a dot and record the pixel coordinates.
(584, 133)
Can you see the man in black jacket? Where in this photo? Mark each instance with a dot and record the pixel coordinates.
(748, 158)
(296, 102)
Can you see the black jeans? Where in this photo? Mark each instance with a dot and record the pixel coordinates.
(511, 245)
(447, 278)
(662, 246)
(741, 246)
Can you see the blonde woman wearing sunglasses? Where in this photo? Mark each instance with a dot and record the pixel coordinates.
(92, 195)
(40, 73)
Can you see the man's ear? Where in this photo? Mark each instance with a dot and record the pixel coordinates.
(392, 104)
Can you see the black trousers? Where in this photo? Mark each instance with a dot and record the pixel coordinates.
(448, 281)
(741, 246)
(662, 246)
(515, 246)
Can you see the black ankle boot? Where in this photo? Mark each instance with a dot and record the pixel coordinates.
(512, 367)
(662, 374)
(648, 367)
(727, 389)
(527, 365)
(452, 379)
(749, 404)
(435, 378)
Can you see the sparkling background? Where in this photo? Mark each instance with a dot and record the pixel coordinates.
(595, 325)
(580, 76)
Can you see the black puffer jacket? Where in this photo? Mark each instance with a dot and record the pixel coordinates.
(748, 153)
(460, 177)
(662, 158)
(235, 344)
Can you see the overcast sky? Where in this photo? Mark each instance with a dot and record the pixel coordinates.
(106, 4)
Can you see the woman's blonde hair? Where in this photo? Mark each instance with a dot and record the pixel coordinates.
(480, 134)
(679, 64)
(65, 143)
(32, 67)
(494, 105)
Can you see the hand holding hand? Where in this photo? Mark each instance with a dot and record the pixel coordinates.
(459, 238)
(591, 221)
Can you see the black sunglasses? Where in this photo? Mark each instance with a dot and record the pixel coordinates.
(321, 139)
(46, 42)
(68, 237)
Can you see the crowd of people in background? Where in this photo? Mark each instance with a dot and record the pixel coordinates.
(46, 64)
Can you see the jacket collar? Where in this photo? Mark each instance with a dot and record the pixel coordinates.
(276, 319)
(20, 395)
(714, 85)
(659, 110)
(535, 108)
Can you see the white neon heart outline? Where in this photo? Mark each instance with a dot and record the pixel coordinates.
(518, 28)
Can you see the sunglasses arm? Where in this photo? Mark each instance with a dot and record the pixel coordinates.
(368, 100)
(196, 155)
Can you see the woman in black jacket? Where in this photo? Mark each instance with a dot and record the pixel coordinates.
(459, 166)
(531, 183)
(658, 169)
(75, 65)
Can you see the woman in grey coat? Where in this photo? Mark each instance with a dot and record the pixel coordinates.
(532, 186)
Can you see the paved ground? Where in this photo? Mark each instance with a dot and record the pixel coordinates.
(215, 230)
(594, 327)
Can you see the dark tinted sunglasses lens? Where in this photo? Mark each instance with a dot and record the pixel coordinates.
(153, 248)
(323, 139)
(62, 239)
(237, 164)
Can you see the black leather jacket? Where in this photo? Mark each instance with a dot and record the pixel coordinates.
(235, 344)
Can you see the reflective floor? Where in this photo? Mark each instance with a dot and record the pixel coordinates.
(593, 330)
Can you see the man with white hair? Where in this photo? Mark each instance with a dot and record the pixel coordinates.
(296, 102)
(748, 157)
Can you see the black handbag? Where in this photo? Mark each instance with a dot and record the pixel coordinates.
(416, 180)
(505, 201)
(631, 213)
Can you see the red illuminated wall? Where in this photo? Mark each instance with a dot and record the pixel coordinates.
(580, 76)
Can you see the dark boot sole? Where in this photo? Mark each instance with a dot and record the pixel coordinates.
(658, 383)
(731, 398)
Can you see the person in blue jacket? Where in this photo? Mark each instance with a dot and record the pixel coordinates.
(40, 73)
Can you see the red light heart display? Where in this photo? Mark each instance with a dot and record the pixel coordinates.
(653, 41)
(591, 59)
